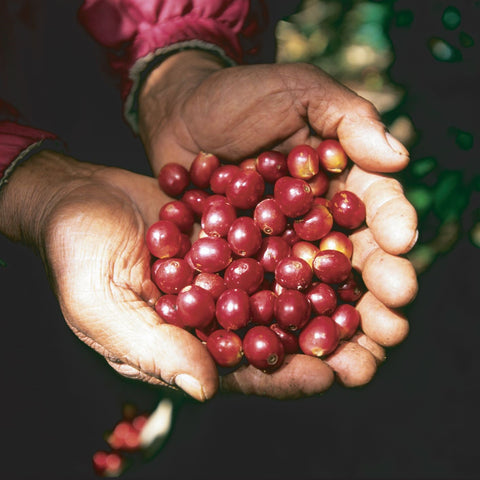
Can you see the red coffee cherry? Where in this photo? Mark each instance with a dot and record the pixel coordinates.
(332, 156)
(263, 348)
(319, 337)
(225, 347)
(173, 179)
(347, 209)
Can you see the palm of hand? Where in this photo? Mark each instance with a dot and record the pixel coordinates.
(96, 254)
(235, 113)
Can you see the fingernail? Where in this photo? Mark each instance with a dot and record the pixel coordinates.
(191, 386)
(395, 145)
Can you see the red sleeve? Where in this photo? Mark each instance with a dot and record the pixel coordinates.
(135, 32)
(18, 141)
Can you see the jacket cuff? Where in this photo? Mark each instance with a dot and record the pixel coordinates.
(135, 32)
(19, 142)
(144, 65)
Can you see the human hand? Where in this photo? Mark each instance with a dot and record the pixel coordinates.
(88, 224)
(190, 103)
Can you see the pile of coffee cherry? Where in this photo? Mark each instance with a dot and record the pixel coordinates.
(270, 273)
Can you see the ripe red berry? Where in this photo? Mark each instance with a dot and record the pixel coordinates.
(210, 254)
(351, 289)
(303, 162)
(166, 307)
(201, 169)
(305, 250)
(293, 195)
(292, 310)
(179, 213)
(335, 240)
(263, 348)
(185, 245)
(203, 333)
(290, 235)
(124, 437)
(217, 218)
(271, 251)
(246, 189)
(233, 309)
(315, 224)
(319, 337)
(322, 298)
(293, 273)
(222, 177)
(331, 266)
(195, 199)
(319, 183)
(248, 164)
(225, 347)
(347, 209)
(347, 318)
(332, 156)
(173, 179)
(244, 237)
(244, 273)
(195, 307)
(269, 217)
(163, 239)
(171, 274)
(272, 165)
(211, 282)
(108, 464)
(262, 304)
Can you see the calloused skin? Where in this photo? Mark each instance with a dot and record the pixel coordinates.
(88, 222)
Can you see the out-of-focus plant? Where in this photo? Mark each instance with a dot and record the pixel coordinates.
(350, 40)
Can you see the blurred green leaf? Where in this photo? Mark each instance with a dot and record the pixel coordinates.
(443, 51)
(464, 140)
(451, 195)
(422, 166)
(465, 40)
(421, 198)
(451, 18)
(404, 18)
(421, 257)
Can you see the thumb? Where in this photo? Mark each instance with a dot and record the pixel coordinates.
(366, 141)
(137, 344)
(335, 111)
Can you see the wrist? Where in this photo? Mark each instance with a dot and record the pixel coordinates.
(33, 190)
(166, 88)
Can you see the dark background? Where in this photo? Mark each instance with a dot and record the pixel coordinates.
(418, 418)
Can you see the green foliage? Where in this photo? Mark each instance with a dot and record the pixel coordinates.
(451, 17)
(349, 39)
(450, 196)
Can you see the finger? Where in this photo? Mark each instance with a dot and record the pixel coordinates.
(353, 364)
(390, 278)
(335, 111)
(383, 325)
(373, 347)
(390, 216)
(363, 245)
(299, 376)
(138, 345)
